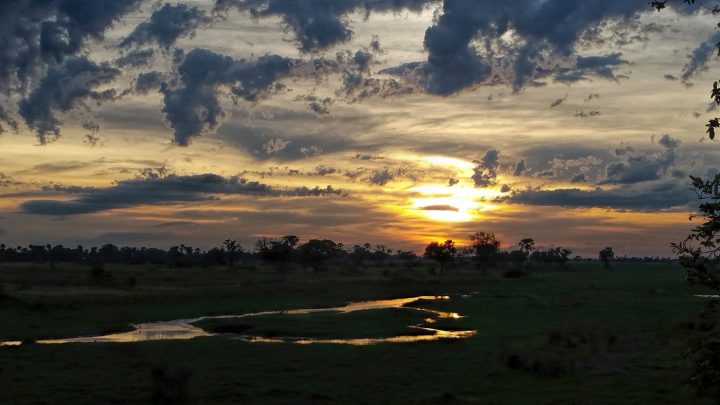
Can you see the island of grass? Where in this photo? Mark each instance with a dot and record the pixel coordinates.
(377, 323)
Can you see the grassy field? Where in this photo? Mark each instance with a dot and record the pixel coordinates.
(577, 335)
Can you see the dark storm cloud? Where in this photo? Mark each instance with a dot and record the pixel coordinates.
(465, 46)
(61, 89)
(43, 37)
(318, 24)
(192, 108)
(35, 34)
(166, 25)
(161, 190)
(649, 197)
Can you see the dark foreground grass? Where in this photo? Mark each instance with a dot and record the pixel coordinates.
(559, 336)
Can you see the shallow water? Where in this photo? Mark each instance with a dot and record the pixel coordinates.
(182, 329)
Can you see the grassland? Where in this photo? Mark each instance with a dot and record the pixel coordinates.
(576, 335)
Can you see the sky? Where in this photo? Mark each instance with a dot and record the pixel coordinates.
(395, 122)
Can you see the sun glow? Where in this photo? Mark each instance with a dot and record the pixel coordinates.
(452, 203)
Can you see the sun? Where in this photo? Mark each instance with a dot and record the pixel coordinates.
(457, 203)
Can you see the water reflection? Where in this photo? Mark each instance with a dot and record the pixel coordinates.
(182, 329)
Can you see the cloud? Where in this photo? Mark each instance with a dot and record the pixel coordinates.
(38, 34)
(669, 142)
(135, 58)
(61, 89)
(589, 114)
(485, 171)
(640, 167)
(192, 107)
(166, 25)
(520, 167)
(648, 197)
(325, 171)
(558, 102)
(7, 181)
(145, 82)
(602, 66)
(275, 145)
(468, 45)
(56, 167)
(579, 178)
(170, 189)
(290, 129)
(7, 119)
(381, 177)
(439, 208)
(697, 62)
(318, 25)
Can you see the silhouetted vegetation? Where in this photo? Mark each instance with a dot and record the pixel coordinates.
(698, 253)
(443, 253)
(485, 248)
(606, 256)
(284, 253)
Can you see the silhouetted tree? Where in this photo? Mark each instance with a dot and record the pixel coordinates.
(408, 258)
(443, 253)
(279, 252)
(606, 256)
(360, 254)
(527, 245)
(486, 248)
(557, 255)
(316, 252)
(380, 254)
(699, 254)
(518, 257)
(232, 250)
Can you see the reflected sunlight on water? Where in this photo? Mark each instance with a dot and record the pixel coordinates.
(182, 329)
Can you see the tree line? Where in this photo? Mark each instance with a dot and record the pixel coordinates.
(484, 252)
